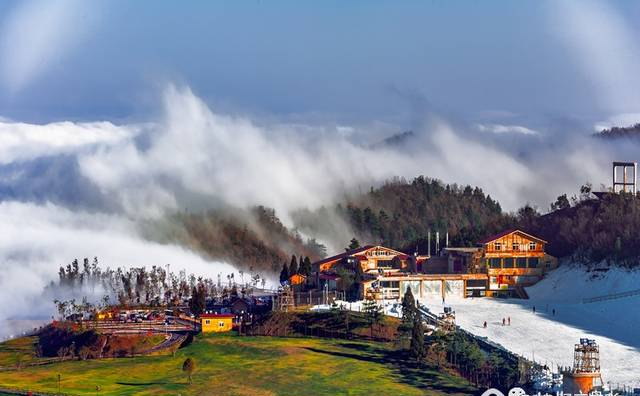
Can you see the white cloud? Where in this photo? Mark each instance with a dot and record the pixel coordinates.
(605, 47)
(37, 239)
(499, 128)
(195, 156)
(38, 34)
(21, 141)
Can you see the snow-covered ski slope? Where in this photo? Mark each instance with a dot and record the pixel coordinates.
(549, 338)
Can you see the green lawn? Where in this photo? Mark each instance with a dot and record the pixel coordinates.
(23, 349)
(232, 365)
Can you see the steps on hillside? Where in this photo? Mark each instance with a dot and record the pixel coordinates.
(521, 292)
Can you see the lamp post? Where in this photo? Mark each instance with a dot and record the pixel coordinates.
(59, 377)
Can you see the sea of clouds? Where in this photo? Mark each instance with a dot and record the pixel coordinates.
(82, 189)
(73, 189)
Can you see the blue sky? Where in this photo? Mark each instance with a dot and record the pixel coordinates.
(338, 60)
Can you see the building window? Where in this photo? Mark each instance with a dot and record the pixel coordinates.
(207, 321)
(494, 279)
(532, 246)
(494, 263)
(220, 324)
(515, 246)
(521, 262)
(390, 284)
(497, 246)
(533, 262)
(508, 262)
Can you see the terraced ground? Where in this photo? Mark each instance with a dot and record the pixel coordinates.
(232, 365)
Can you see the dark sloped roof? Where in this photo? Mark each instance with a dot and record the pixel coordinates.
(345, 254)
(355, 252)
(507, 232)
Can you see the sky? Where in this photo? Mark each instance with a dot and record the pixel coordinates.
(115, 114)
(347, 61)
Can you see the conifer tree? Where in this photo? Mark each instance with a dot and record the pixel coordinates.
(305, 266)
(409, 311)
(353, 244)
(284, 274)
(293, 266)
(416, 349)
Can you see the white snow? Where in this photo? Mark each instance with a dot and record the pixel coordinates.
(549, 338)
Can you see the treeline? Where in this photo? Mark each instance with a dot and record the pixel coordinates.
(454, 350)
(581, 227)
(400, 214)
(295, 267)
(592, 230)
(154, 287)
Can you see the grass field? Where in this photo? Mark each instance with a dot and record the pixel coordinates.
(232, 365)
(20, 348)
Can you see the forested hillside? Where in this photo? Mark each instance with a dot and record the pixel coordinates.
(400, 214)
(254, 239)
(593, 230)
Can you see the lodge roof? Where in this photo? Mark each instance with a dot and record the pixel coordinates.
(354, 252)
(508, 232)
(348, 253)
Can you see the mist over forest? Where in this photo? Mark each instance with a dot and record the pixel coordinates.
(213, 193)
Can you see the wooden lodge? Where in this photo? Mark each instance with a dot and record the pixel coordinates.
(499, 265)
(515, 259)
(369, 258)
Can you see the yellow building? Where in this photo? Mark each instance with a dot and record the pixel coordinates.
(217, 323)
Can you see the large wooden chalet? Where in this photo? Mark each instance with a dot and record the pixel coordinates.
(499, 265)
(514, 258)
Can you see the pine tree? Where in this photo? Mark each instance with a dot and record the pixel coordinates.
(305, 266)
(284, 274)
(293, 266)
(198, 303)
(416, 349)
(353, 244)
(409, 311)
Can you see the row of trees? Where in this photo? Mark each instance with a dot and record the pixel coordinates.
(592, 230)
(300, 266)
(454, 350)
(140, 286)
(400, 213)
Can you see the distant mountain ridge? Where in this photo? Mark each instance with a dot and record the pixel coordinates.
(620, 132)
(395, 140)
